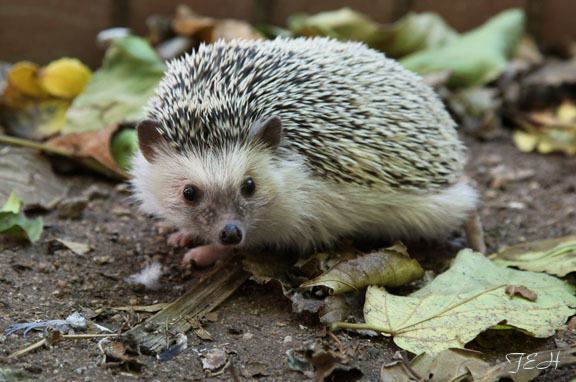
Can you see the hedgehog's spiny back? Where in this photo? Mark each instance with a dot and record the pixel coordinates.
(214, 95)
(355, 115)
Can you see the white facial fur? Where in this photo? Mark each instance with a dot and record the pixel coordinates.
(218, 175)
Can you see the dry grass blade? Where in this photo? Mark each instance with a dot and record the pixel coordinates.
(154, 334)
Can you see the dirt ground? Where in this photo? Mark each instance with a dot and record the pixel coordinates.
(256, 326)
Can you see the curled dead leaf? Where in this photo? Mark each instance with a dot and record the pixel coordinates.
(387, 267)
(521, 291)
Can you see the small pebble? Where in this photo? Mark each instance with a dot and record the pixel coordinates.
(102, 260)
(247, 336)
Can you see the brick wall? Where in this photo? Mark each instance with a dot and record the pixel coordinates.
(42, 30)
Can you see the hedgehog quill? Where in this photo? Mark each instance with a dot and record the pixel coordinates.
(295, 144)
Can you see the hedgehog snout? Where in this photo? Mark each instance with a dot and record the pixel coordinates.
(231, 234)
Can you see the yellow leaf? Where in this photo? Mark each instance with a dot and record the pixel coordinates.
(566, 112)
(55, 112)
(545, 147)
(525, 142)
(23, 76)
(65, 78)
(37, 118)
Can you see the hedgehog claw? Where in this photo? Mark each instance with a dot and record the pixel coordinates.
(180, 239)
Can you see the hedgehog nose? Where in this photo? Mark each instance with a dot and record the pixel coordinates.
(230, 235)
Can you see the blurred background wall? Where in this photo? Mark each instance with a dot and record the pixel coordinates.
(42, 30)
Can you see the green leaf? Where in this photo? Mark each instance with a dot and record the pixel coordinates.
(123, 146)
(341, 24)
(477, 57)
(414, 32)
(13, 221)
(13, 204)
(464, 301)
(554, 256)
(118, 90)
(387, 267)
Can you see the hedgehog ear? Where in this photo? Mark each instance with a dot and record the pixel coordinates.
(267, 130)
(149, 138)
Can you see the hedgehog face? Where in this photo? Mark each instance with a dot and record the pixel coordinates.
(219, 195)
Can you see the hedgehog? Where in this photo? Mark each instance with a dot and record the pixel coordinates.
(298, 144)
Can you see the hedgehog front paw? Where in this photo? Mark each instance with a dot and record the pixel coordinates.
(180, 239)
(206, 255)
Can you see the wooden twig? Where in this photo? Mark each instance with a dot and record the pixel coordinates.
(28, 349)
(44, 341)
(213, 288)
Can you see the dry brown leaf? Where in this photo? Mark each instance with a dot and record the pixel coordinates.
(90, 144)
(230, 29)
(203, 334)
(117, 355)
(189, 24)
(387, 267)
(522, 291)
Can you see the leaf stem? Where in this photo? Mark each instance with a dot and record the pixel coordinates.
(356, 326)
(13, 141)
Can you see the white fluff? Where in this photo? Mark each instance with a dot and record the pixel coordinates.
(149, 276)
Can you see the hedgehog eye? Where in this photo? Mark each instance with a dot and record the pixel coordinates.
(190, 193)
(248, 187)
